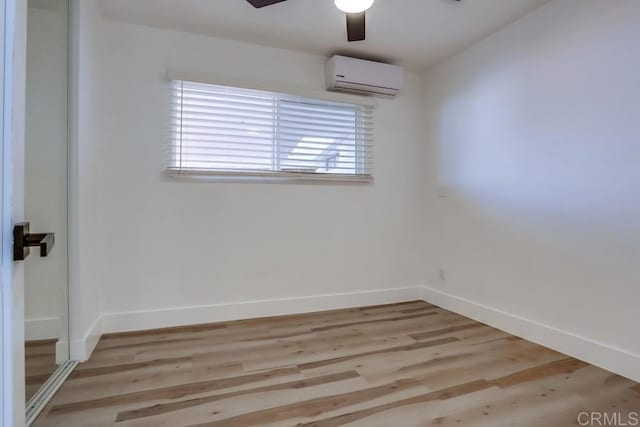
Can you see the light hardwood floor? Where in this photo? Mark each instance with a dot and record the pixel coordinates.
(39, 364)
(410, 364)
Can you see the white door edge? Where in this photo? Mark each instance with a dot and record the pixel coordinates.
(12, 128)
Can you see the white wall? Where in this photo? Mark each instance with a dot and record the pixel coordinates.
(46, 170)
(158, 243)
(85, 291)
(525, 193)
(535, 141)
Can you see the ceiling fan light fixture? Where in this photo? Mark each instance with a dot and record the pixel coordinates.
(353, 6)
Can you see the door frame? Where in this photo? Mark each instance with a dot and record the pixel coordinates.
(5, 267)
(13, 34)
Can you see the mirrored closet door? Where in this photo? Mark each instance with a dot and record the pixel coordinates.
(46, 274)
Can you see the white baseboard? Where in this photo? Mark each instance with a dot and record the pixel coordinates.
(592, 351)
(42, 329)
(193, 315)
(81, 349)
(62, 352)
(46, 329)
(597, 353)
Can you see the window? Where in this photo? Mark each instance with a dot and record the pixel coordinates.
(219, 130)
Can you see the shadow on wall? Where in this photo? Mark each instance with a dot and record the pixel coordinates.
(534, 132)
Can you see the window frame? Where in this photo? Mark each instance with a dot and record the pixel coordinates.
(282, 94)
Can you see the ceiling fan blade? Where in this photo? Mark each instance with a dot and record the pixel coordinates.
(356, 27)
(263, 3)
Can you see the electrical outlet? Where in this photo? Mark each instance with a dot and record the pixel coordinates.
(442, 192)
(443, 275)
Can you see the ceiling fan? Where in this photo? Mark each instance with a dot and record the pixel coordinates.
(354, 9)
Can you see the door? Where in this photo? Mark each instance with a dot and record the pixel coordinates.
(6, 382)
(45, 196)
(12, 83)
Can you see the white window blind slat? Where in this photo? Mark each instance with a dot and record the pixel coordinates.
(231, 131)
(239, 143)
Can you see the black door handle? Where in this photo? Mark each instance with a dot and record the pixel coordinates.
(23, 240)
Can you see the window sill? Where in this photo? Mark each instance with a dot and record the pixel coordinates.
(269, 177)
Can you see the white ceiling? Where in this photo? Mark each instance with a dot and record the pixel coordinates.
(414, 33)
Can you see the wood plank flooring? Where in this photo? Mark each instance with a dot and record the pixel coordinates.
(410, 364)
(39, 364)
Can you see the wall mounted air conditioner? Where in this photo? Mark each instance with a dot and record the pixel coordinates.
(364, 77)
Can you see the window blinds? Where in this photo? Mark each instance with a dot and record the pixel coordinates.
(221, 130)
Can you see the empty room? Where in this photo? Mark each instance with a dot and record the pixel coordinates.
(321, 213)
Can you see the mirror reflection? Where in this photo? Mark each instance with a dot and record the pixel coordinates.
(46, 297)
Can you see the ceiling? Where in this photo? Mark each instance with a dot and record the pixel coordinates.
(413, 33)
